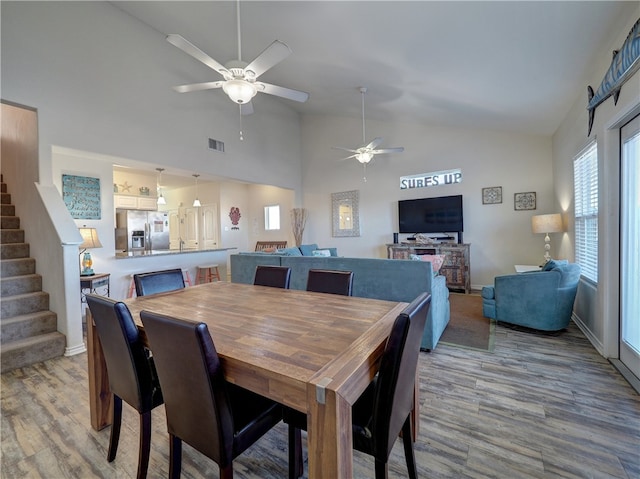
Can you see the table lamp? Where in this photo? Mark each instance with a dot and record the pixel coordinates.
(551, 223)
(89, 240)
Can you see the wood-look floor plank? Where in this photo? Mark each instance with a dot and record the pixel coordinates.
(539, 406)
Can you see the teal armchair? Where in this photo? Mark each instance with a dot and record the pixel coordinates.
(540, 300)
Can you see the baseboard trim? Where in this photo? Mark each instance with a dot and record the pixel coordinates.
(631, 378)
(587, 332)
(79, 349)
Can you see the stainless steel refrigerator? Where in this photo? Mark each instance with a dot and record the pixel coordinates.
(150, 229)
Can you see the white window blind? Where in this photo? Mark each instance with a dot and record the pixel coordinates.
(585, 179)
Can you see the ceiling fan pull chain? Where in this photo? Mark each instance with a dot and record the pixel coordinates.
(240, 110)
(364, 177)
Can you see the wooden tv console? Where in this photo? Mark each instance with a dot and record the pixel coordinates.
(456, 266)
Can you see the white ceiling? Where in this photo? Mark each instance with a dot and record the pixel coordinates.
(515, 66)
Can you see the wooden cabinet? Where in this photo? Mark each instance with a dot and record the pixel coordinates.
(135, 202)
(456, 266)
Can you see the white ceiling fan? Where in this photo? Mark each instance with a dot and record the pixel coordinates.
(240, 79)
(365, 153)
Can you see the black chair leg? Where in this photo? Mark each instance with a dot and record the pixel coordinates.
(408, 449)
(226, 472)
(382, 469)
(116, 420)
(296, 466)
(145, 444)
(175, 456)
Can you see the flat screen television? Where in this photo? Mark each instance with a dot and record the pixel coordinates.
(442, 214)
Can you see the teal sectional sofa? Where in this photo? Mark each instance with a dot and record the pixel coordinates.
(388, 279)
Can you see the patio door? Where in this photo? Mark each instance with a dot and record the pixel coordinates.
(630, 245)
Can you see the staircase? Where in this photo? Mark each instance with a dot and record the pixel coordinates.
(28, 329)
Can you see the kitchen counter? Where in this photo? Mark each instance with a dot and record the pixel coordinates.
(161, 252)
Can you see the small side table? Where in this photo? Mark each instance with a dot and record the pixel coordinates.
(92, 283)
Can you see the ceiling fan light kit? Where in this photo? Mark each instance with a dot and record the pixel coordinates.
(240, 91)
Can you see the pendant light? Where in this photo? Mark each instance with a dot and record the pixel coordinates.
(196, 202)
(161, 200)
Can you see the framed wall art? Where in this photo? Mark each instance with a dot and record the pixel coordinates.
(81, 196)
(492, 195)
(345, 213)
(524, 201)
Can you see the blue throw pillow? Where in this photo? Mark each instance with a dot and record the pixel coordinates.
(308, 249)
(553, 263)
(293, 251)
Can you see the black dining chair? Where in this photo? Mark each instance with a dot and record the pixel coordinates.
(158, 281)
(217, 418)
(384, 408)
(131, 371)
(274, 276)
(330, 281)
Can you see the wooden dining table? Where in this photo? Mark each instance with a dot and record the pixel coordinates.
(313, 352)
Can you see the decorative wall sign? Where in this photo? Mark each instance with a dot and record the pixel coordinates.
(492, 195)
(436, 178)
(81, 195)
(524, 201)
(345, 213)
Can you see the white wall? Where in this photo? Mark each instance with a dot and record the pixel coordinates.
(597, 307)
(499, 236)
(101, 81)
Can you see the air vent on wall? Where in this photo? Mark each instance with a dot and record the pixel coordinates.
(216, 145)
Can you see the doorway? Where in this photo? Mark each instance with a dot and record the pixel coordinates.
(629, 340)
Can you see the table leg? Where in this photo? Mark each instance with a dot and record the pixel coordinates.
(329, 436)
(100, 397)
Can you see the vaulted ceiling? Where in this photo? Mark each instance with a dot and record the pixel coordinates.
(515, 66)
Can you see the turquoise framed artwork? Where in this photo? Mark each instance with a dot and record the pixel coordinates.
(81, 196)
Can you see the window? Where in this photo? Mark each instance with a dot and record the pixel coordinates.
(585, 180)
(272, 217)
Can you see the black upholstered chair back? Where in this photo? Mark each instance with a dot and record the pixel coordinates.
(158, 281)
(128, 367)
(274, 276)
(131, 371)
(384, 408)
(394, 386)
(215, 417)
(330, 281)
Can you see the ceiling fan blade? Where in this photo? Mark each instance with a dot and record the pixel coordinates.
(190, 49)
(347, 158)
(246, 109)
(344, 149)
(283, 92)
(399, 149)
(198, 86)
(376, 141)
(270, 56)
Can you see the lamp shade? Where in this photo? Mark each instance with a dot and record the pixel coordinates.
(544, 224)
(89, 238)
